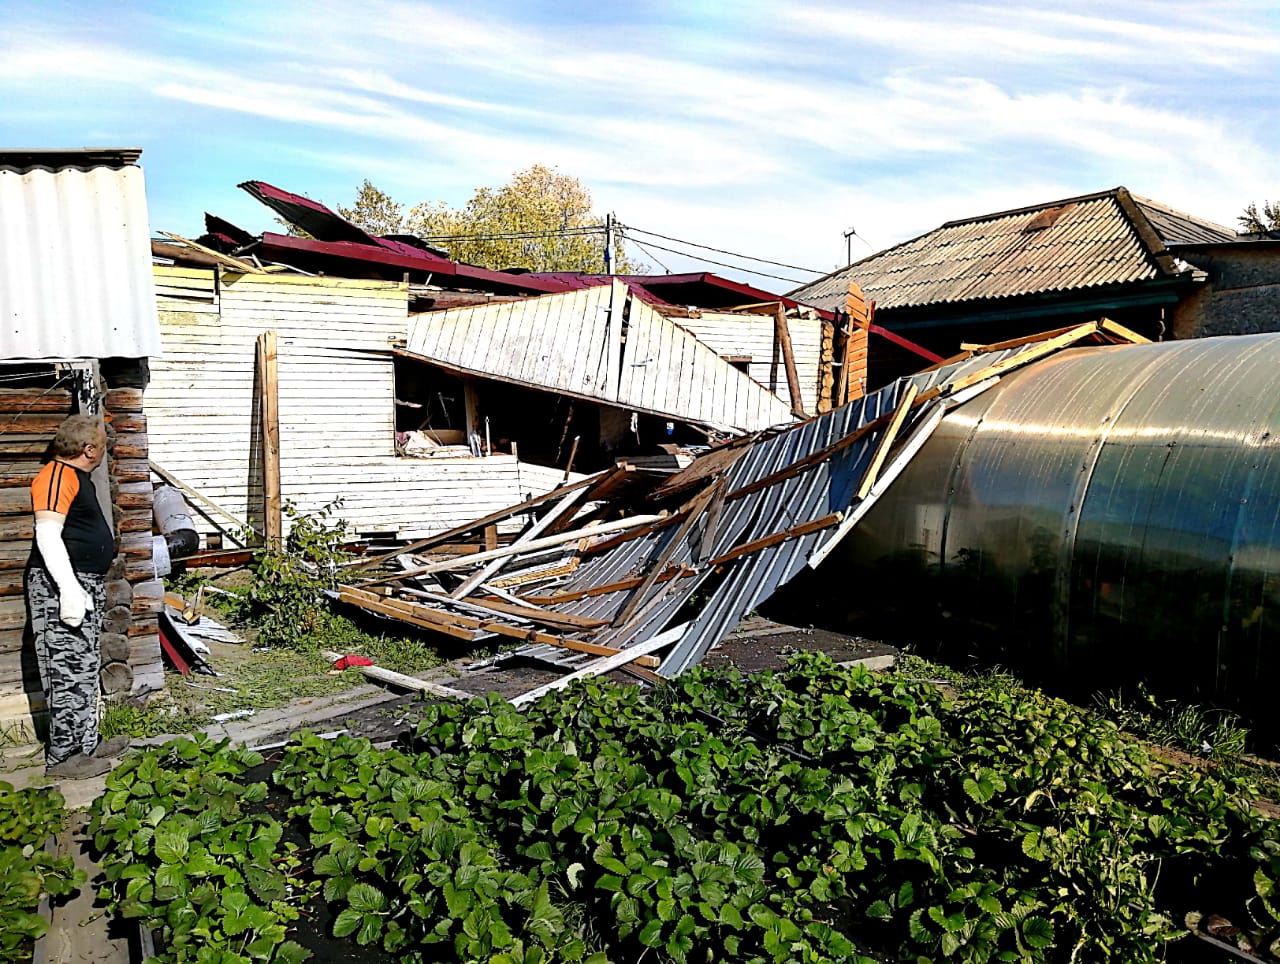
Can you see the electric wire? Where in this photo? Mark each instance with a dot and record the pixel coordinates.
(732, 254)
(721, 264)
(647, 252)
(515, 235)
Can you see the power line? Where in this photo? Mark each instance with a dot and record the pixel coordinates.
(650, 254)
(732, 254)
(514, 235)
(722, 264)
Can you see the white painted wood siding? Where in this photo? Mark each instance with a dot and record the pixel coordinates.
(745, 334)
(337, 415)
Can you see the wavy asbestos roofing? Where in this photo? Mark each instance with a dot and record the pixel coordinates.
(1079, 243)
(573, 343)
(75, 262)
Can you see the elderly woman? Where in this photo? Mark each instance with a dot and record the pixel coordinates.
(65, 581)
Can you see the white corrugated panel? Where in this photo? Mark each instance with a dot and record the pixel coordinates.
(572, 343)
(75, 265)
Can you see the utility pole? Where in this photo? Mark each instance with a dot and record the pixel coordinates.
(608, 244)
(848, 246)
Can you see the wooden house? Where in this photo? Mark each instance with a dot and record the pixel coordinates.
(1012, 273)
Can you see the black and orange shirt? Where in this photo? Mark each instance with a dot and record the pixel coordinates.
(69, 491)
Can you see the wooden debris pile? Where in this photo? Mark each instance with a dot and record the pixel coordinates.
(624, 568)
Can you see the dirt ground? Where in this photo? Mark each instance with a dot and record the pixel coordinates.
(756, 645)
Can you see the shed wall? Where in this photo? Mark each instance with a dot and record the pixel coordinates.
(336, 404)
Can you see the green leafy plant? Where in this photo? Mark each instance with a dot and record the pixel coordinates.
(815, 814)
(285, 599)
(28, 818)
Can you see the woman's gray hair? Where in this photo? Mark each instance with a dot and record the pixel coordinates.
(74, 434)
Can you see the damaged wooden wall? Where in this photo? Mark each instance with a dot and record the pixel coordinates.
(336, 404)
(743, 335)
(131, 661)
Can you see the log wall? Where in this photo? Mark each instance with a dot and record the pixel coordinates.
(29, 416)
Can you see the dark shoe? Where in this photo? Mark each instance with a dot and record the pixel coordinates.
(107, 749)
(78, 767)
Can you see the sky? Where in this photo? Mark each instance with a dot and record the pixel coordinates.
(767, 129)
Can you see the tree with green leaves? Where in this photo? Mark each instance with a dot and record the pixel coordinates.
(540, 220)
(1256, 221)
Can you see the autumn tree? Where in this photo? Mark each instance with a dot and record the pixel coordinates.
(540, 220)
(1255, 221)
(376, 212)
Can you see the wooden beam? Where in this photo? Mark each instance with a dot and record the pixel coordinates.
(620, 658)
(887, 439)
(243, 267)
(433, 618)
(546, 542)
(777, 538)
(490, 569)
(789, 359)
(401, 681)
(500, 515)
(177, 483)
(700, 503)
(269, 415)
(1047, 347)
(1120, 331)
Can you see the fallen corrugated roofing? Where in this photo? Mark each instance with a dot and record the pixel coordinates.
(599, 343)
(760, 511)
(75, 260)
(1097, 240)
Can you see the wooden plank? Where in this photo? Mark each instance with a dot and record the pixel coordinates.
(700, 502)
(546, 617)
(620, 658)
(490, 569)
(244, 267)
(493, 517)
(789, 360)
(1119, 330)
(887, 439)
(399, 680)
(1035, 353)
(269, 412)
(430, 618)
(373, 604)
(546, 542)
(777, 538)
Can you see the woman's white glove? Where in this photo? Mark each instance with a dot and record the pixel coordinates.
(73, 601)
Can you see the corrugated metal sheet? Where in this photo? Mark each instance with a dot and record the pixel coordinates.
(75, 265)
(573, 343)
(826, 487)
(1066, 245)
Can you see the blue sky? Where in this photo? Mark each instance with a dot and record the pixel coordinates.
(765, 128)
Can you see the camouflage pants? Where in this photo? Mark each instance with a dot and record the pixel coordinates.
(69, 660)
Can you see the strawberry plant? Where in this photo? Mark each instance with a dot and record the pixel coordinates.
(28, 818)
(816, 814)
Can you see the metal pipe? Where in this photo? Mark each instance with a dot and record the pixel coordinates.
(1104, 515)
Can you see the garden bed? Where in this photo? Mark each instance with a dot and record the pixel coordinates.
(817, 813)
